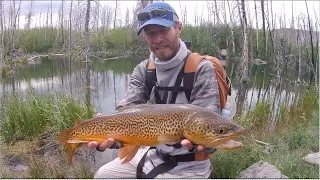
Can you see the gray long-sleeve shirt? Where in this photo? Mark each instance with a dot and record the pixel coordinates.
(205, 93)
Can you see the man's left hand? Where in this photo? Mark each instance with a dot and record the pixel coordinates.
(188, 145)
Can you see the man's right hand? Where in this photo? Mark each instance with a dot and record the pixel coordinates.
(102, 146)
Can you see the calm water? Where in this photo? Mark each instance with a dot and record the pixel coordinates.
(108, 82)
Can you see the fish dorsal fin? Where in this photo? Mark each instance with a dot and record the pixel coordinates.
(127, 152)
(169, 139)
(133, 108)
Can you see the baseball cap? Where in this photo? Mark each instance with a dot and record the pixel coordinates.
(158, 13)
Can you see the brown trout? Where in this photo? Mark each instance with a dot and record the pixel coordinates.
(150, 125)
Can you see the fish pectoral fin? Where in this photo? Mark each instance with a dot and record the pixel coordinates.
(76, 141)
(169, 139)
(127, 152)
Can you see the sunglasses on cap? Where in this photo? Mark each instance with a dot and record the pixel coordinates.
(158, 13)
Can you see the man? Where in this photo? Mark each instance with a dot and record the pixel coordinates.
(223, 56)
(161, 28)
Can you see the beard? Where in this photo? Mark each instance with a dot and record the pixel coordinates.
(166, 50)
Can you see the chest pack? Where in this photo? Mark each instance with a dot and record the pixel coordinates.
(187, 74)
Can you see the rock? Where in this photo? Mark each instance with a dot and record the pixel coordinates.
(261, 170)
(313, 158)
(13, 160)
(20, 168)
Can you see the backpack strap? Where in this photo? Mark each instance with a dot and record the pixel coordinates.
(177, 87)
(190, 68)
(189, 72)
(151, 81)
(192, 62)
(151, 78)
(169, 162)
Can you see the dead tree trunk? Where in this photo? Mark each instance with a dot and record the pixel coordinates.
(12, 22)
(232, 32)
(17, 15)
(86, 27)
(216, 19)
(51, 16)
(317, 52)
(1, 39)
(239, 12)
(97, 16)
(257, 28)
(183, 13)
(79, 18)
(271, 34)
(299, 53)
(263, 24)
(88, 64)
(244, 76)
(61, 26)
(115, 15)
(70, 27)
(313, 72)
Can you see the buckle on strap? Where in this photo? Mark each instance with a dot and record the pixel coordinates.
(163, 156)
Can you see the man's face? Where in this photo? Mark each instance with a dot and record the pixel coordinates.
(163, 41)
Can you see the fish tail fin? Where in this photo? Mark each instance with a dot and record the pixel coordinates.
(70, 150)
(63, 137)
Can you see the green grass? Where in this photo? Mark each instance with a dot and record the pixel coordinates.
(295, 136)
(257, 118)
(27, 118)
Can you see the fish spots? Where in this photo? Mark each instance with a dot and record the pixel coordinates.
(153, 121)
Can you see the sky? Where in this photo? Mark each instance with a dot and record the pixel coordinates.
(280, 8)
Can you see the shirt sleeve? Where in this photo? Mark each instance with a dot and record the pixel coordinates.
(205, 92)
(137, 91)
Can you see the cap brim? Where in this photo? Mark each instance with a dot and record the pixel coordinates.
(156, 21)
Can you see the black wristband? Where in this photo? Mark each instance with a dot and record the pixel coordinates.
(97, 148)
(116, 145)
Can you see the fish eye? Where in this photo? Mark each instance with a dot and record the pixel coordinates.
(221, 130)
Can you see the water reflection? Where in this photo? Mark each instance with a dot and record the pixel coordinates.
(101, 84)
(104, 84)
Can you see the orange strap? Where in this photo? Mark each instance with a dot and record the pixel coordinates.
(151, 65)
(200, 156)
(191, 65)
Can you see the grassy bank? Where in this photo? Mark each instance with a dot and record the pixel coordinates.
(296, 135)
(25, 118)
(29, 126)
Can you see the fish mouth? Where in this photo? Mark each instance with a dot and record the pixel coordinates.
(227, 143)
(230, 145)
